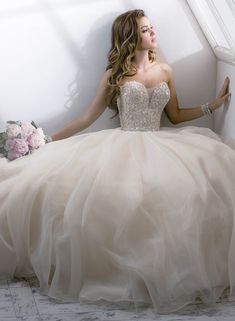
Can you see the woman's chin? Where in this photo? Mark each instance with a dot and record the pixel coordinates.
(153, 45)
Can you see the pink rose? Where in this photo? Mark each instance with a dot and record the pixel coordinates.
(12, 155)
(16, 147)
(27, 129)
(20, 139)
(40, 133)
(36, 140)
(10, 143)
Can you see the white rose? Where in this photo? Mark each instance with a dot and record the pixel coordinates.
(13, 130)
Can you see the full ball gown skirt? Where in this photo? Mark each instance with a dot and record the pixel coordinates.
(137, 213)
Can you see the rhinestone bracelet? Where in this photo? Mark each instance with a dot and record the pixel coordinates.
(205, 109)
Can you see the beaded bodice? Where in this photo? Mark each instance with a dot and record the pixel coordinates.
(141, 109)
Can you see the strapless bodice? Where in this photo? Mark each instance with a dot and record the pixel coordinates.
(141, 108)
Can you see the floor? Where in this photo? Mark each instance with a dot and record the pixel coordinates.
(20, 300)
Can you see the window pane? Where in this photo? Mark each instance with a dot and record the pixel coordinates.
(227, 19)
(233, 2)
(208, 22)
(213, 24)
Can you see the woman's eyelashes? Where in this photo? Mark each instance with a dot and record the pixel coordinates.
(146, 29)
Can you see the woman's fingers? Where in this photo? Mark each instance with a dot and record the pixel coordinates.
(223, 94)
(227, 82)
(224, 97)
(225, 87)
(220, 100)
(227, 96)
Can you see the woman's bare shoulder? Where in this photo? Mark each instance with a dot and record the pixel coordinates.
(165, 67)
(166, 70)
(107, 73)
(105, 76)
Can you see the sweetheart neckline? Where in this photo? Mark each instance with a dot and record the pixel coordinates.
(140, 83)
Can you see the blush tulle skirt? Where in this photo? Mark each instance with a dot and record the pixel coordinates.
(146, 217)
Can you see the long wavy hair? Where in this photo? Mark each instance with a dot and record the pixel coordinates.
(124, 42)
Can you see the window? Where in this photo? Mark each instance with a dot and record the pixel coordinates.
(217, 20)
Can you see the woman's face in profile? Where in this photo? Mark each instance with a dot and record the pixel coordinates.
(147, 34)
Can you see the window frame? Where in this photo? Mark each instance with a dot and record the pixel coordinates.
(222, 53)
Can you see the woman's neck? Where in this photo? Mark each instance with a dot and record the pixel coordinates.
(141, 60)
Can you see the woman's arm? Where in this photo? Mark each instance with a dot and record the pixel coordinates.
(178, 115)
(94, 110)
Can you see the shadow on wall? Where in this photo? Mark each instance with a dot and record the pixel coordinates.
(193, 62)
(83, 87)
(196, 90)
(77, 55)
(93, 54)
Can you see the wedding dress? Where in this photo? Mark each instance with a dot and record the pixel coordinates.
(137, 213)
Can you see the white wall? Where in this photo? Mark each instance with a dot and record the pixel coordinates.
(224, 118)
(52, 53)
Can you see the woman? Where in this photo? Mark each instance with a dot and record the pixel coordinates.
(136, 213)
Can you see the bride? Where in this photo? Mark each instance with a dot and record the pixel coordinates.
(137, 213)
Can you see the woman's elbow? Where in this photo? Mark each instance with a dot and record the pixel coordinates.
(173, 117)
(174, 121)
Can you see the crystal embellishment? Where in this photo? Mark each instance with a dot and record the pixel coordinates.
(139, 109)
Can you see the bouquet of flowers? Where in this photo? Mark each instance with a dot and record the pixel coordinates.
(20, 139)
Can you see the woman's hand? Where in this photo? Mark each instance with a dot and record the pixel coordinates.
(222, 96)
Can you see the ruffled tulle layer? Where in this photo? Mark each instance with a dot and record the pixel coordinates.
(123, 216)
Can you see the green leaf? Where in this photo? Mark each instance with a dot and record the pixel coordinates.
(3, 138)
(3, 151)
(17, 122)
(33, 123)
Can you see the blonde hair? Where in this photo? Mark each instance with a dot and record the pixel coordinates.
(124, 41)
